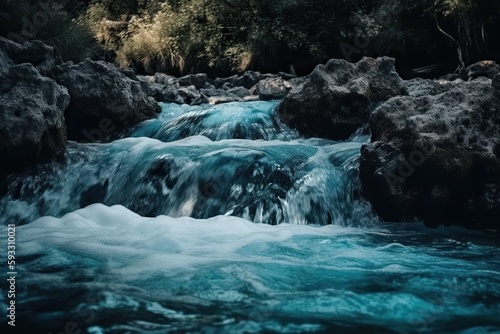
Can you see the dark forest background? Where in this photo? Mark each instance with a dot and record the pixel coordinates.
(222, 37)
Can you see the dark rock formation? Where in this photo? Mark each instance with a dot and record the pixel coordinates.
(485, 68)
(42, 56)
(104, 99)
(212, 91)
(423, 87)
(436, 157)
(272, 89)
(239, 91)
(198, 80)
(196, 89)
(165, 93)
(164, 79)
(247, 80)
(496, 81)
(31, 119)
(190, 95)
(335, 100)
(5, 61)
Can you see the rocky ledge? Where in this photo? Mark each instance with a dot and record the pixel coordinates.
(45, 102)
(31, 119)
(337, 98)
(436, 156)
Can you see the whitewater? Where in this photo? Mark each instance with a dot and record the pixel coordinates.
(220, 219)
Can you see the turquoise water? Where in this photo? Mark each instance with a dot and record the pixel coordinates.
(185, 239)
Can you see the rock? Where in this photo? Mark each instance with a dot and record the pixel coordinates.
(287, 76)
(224, 99)
(496, 81)
(247, 80)
(198, 80)
(295, 82)
(5, 61)
(250, 79)
(239, 91)
(165, 79)
(146, 78)
(448, 77)
(483, 80)
(445, 82)
(271, 89)
(227, 86)
(423, 87)
(485, 68)
(41, 55)
(165, 93)
(103, 100)
(191, 96)
(251, 98)
(335, 100)
(32, 126)
(213, 92)
(436, 157)
(225, 83)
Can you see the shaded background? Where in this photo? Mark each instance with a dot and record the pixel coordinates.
(223, 37)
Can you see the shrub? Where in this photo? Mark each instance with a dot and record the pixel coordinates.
(49, 22)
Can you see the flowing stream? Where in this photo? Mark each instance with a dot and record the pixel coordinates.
(170, 229)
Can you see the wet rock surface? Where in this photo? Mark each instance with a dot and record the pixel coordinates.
(336, 99)
(32, 126)
(436, 157)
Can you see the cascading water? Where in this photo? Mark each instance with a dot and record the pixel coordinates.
(213, 179)
(266, 181)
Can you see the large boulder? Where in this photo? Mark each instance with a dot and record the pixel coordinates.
(336, 99)
(436, 157)
(32, 126)
(41, 55)
(104, 100)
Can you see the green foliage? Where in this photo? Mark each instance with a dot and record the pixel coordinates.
(49, 22)
(223, 36)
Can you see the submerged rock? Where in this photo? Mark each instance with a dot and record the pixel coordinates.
(335, 100)
(436, 157)
(31, 119)
(104, 100)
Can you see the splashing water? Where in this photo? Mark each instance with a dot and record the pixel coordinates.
(236, 170)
